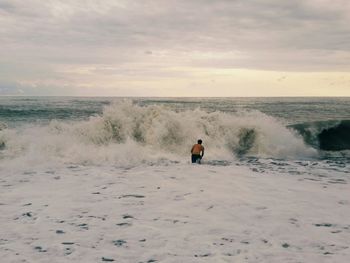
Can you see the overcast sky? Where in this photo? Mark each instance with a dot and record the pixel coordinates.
(175, 47)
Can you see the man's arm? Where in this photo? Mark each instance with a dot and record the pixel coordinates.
(202, 152)
(192, 149)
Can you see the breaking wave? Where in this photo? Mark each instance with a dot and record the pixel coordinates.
(333, 135)
(127, 134)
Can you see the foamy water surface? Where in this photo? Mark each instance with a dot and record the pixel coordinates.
(103, 180)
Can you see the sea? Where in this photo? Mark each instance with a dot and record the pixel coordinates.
(287, 135)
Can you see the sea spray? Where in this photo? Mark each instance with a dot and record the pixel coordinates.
(128, 134)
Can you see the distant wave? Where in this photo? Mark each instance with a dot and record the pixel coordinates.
(333, 135)
(42, 113)
(129, 134)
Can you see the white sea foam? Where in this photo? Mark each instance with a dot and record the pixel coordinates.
(3, 126)
(127, 134)
(178, 213)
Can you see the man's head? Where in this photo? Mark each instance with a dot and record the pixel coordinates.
(199, 141)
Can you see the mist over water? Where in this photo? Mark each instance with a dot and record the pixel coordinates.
(131, 132)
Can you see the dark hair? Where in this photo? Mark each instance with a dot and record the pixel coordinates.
(199, 141)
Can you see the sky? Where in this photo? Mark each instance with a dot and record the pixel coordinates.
(195, 48)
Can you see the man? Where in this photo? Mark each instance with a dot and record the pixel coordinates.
(197, 152)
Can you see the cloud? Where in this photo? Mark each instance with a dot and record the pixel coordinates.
(37, 89)
(159, 35)
(9, 88)
(6, 6)
(246, 26)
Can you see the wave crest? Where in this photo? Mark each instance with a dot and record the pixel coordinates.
(332, 135)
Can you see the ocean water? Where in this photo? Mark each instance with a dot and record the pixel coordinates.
(110, 179)
(266, 134)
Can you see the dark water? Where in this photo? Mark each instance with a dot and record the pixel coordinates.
(18, 110)
(15, 111)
